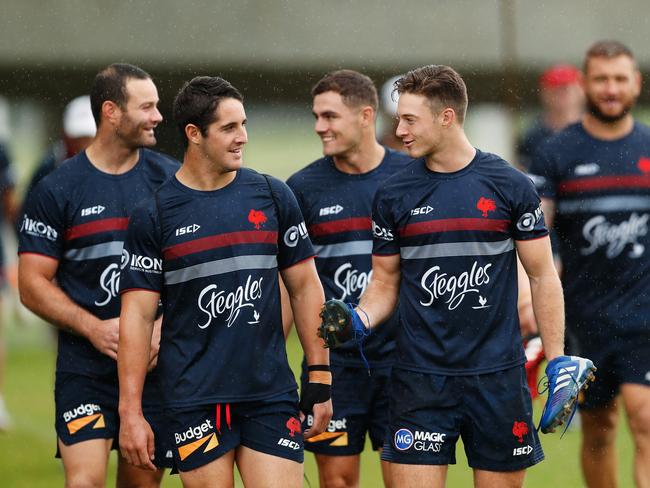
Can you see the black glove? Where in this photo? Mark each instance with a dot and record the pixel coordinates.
(318, 390)
(340, 323)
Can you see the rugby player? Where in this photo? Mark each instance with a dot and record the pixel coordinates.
(71, 239)
(593, 178)
(209, 245)
(459, 367)
(335, 195)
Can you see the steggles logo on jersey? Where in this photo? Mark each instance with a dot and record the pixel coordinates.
(598, 232)
(197, 432)
(644, 164)
(486, 205)
(453, 289)
(109, 281)
(381, 233)
(350, 281)
(295, 233)
(216, 303)
(529, 220)
(36, 228)
(95, 210)
(83, 415)
(257, 218)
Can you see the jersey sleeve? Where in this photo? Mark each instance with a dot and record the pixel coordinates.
(384, 230)
(294, 244)
(142, 251)
(543, 171)
(527, 220)
(42, 228)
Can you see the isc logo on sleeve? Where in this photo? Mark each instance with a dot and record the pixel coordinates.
(95, 210)
(189, 229)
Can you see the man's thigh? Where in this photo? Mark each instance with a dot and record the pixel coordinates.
(218, 473)
(259, 469)
(360, 406)
(85, 462)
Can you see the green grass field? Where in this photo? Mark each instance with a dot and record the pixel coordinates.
(279, 144)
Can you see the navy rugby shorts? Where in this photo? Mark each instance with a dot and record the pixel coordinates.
(491, 412)
(86, 408)
(622, 359)
(205, 433)
(360, 406)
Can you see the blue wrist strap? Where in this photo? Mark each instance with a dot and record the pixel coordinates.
(360, 331)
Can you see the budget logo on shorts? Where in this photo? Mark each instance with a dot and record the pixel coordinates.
(201, 440)
(335, 435)
(403, 439)
(84, 415)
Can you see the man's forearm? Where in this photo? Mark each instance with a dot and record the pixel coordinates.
(306, 305)
(377, 303)
(53, 305)
(133, 360)
(548, 304)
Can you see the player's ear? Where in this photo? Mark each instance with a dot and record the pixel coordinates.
(193, 134)
(447, 117)
(110, 111)
(367, 116)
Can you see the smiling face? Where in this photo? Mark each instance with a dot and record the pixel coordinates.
(224, 139)
(612, 86)
(339, 126)
(140, 116)
(419, 127)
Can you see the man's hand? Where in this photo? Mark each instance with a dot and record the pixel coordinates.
(322, 413)
(316, 398)
(137, 441)
(105, 336)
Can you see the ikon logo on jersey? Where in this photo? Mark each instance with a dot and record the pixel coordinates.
(335, 435)
(96, 210)
(294, 234)
(190, 229)
(145, 264)
(36, 228)
(486, 205)
(381, 233)
(84, 415)
(333, 210)
(198, 439)
(257, 218)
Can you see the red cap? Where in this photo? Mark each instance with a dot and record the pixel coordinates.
(559, 75)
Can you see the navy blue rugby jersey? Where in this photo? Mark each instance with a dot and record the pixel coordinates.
(603, 207)
(214, 256)
(455, 234)
(337, 208)
(78, 215)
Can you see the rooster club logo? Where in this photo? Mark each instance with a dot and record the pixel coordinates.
(257, 218)
(293, 424)
(486, 205)
(644, 164)
(519, 430)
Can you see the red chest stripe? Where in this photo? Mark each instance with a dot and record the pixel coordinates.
(604, 183)
(104, 225)
(449, 225)
(221, 240)
(343, 225)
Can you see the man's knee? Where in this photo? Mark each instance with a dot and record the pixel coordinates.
(339, 480)
(639, 420)
(338, 471)
(84, 479)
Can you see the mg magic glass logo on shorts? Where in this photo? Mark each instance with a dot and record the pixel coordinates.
(228, 305)
(419, 440)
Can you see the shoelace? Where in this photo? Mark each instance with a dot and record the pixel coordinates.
(546, 387)
(360, 331)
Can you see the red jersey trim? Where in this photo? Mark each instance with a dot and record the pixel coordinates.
(104, 225)
(138, 289)
(343, 225)
(605, 183)
(221, 240)
(298, 262)
(449, 225)
(38, 254)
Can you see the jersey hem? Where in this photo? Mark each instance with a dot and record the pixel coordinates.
(212, 400)
(313, 256)
(464, 372)
(39, 254)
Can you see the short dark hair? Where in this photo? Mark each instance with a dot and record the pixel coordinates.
(441, 85)
(110, 85)
(607, 49)
(197, 102)
(356, 89)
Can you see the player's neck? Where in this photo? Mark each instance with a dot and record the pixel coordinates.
(607, 131)
(362, 160)
(107, 154)
(202, 177)
(451, 155)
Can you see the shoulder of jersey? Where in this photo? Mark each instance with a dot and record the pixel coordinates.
(398, 158)
(69, 173)
(159, 159)
(313, 169)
